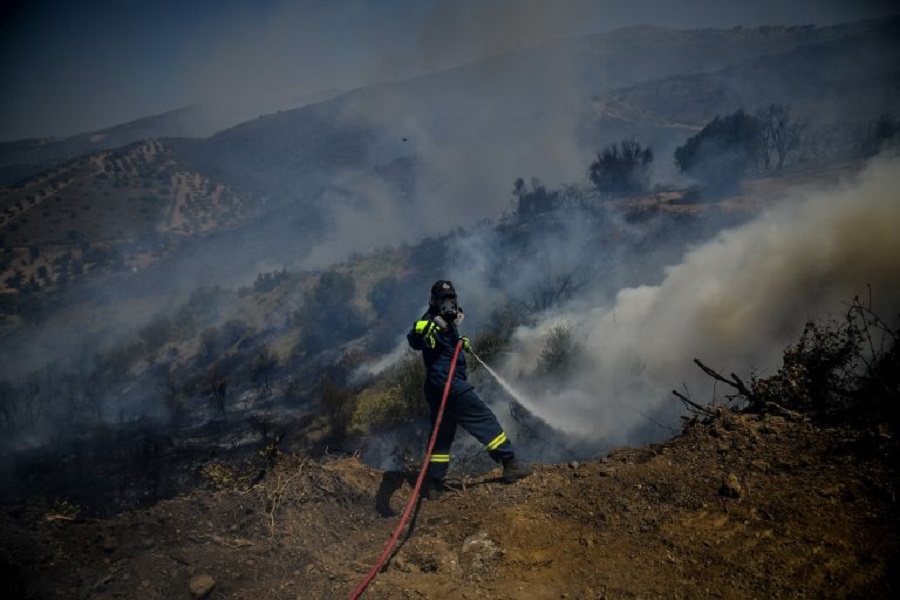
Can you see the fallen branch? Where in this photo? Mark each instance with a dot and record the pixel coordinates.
(275, 491)
(60, 517)
(734, 382)
(784, 412)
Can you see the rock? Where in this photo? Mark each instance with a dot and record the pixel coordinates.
(607, 472)
(731, 486)
(478, 550)
(404, 566)
(201, 585)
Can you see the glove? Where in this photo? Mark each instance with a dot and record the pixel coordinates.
(465, 344)
(428, 329)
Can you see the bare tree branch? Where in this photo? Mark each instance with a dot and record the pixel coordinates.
(693, 406)
(735, 382)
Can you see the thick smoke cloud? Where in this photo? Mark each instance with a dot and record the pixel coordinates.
(470, 136)
(734, 302)
(460, 170)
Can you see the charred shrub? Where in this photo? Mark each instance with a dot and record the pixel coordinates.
(844, 370)
(560, 351)
(533, 202)
(817, 372)
(721, 153)
(621, 169)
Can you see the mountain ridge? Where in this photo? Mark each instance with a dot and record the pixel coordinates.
(23, 158)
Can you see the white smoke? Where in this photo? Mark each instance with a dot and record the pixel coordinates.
(381, 364)
(734, 303)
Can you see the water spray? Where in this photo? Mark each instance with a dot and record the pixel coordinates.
(543, 413)
(518, 397)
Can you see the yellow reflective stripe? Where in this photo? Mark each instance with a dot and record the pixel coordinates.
(420, 326)
(440, 458)
(495, 443)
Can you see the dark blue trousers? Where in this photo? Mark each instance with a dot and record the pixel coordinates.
(468, 411)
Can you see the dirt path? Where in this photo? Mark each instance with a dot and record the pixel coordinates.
(743, 507)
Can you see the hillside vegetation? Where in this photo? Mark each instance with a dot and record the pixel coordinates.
(197, 398)
(113, 211)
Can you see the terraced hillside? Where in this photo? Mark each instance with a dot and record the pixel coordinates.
(117, 210)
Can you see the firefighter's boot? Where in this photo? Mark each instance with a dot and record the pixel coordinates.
(435, 488)
(513, 470)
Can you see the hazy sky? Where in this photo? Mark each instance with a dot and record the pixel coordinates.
(74, 66)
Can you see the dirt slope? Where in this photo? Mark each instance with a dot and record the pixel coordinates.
(745, 506)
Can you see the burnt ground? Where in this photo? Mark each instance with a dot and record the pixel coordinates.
(741, 506)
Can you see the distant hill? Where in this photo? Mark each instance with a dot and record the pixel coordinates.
(531, 113)
(843, 81)
(25, 158)
(21, 159)
(460, 104)
(121, 209)
(439, 150)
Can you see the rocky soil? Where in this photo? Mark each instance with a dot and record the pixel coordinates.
(739, 506)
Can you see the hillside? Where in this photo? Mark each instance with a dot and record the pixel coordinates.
(516, 113)
(215, 442)
(120, 210)
(204, 368)
(740, 506)
(26, 158)
(307, 187)
(847, 77)
(137, 406)
(618, 58)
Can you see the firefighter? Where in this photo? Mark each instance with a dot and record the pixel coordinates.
(436, 335)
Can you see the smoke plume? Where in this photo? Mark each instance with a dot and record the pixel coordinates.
(734, 302)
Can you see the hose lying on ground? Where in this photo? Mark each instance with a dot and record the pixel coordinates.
(415, 495)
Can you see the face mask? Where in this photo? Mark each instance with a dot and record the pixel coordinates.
(448, 308)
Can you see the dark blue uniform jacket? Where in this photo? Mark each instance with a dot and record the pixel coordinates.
(437, 360)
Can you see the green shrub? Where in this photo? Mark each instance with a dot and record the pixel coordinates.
(223, 476)
(395, 400)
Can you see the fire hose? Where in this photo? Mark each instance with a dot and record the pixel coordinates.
(415, 495)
